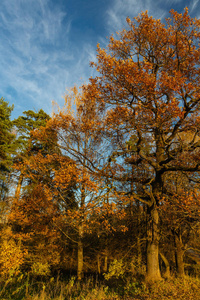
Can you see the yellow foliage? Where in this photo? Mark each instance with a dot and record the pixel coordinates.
(39, 268)
(11, 256)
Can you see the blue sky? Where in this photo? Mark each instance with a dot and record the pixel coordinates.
(46, 45)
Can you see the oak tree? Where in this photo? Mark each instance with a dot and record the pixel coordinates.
(148, 89)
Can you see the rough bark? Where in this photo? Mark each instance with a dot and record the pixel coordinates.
(153, 234)
(153, 269)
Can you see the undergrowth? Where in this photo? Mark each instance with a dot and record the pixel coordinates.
(122, 288)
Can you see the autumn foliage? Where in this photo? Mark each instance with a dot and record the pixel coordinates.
(112, 178)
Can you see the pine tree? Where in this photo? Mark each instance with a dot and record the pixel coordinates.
(7, 146)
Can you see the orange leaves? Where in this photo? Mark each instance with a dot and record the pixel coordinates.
(118, 116)
(107, 218)
(148, 31)
(65, 172)
(166, 114)
(150, 60)
(33, 208)
(126, 76)
(180, 19)
(181, 210)
(32, 219)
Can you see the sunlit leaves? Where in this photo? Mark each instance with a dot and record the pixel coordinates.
(12, 254)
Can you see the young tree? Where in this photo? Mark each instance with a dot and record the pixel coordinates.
(77, 127)
(148, 89)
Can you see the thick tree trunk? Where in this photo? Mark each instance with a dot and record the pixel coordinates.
(155, 194)
(153, 269)
(179, 255)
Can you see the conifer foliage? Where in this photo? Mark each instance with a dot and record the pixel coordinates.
(7, 146)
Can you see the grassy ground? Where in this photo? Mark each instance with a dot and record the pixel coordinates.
(21, 288)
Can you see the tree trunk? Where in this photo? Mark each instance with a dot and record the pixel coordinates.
(153, 269)
(179, 255)
(98, 264)
(139, 250)
(167, 267)
(139, 254)
(19, 185)
(105, 267)
(80, 240)
(80, 255)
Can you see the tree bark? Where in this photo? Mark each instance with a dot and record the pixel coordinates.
(80, 255)
(153, 234)
(153, 269)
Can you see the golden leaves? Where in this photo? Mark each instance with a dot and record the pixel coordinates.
(12, 255)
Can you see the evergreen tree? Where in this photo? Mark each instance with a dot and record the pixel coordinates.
(27, 123)
(7, 146)
(25, 126)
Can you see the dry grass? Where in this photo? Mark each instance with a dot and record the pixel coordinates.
(176, 288)
(129, 289)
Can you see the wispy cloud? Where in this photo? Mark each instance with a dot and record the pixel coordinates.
(116, 15)
(159, 9)
(193, 5)
(37, 58)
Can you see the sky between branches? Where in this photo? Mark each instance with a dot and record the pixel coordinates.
(46, 45)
